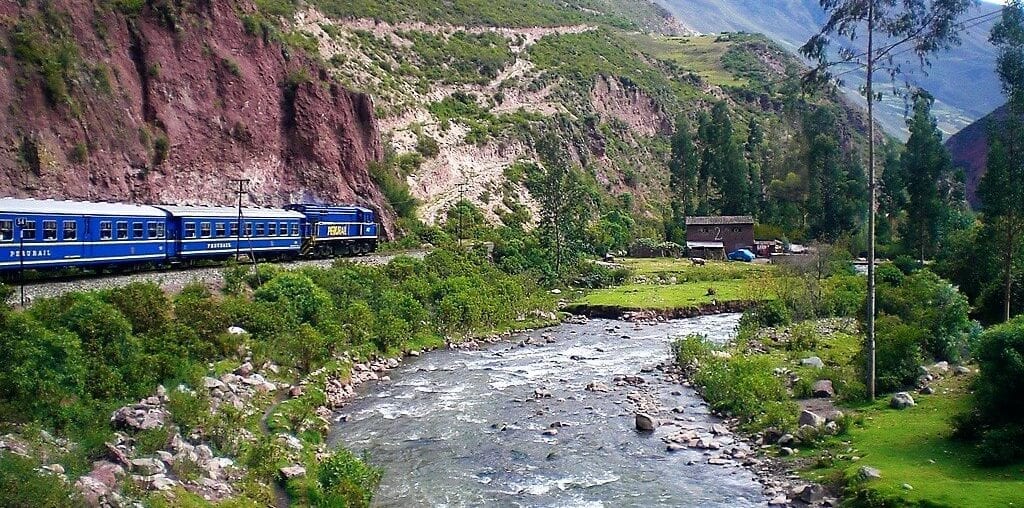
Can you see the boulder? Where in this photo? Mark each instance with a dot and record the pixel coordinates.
(926, 390)
(960, 370)
(823, 389)
(645, 423)
(719, 429)
(211, 383)
(291, 472)
(813, 361)
(787, 440)
(236, 330)
(939, 368)
(810, 418)
(148, 466)
(596, 386)
(786, 451)
(866, 473)
(244, 369)
(811, 494)
(771, 435)
(92, 490)
(901, 400)
(290, 441)
(106, 473)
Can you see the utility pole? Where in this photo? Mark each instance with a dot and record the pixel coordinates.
(241, 183)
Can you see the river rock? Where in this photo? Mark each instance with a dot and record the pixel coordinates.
(810, 418)
(597, 386)
(290, 441)
(939, 368)
(549, 432)
(811, 494)
(867, 473)
(291, 472)
(813, 361)
(901, 400)
(787, 440)
(771, 435)
(719, 430)
(786, 451)
(823, 389)
(645, 422)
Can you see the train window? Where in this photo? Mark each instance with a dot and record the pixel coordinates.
(106, 230)
(233, 229)
(6, 230)
(190, 230)
(28, 231)
(204, 230)
(259, 229)
(161, 232)
(271, 229)
(248, 229)
(151, 229)
(295, 229)
(122, 230)
(283, 231)
(49, 230)
(220, 230)
(70, 230)
(138, 230)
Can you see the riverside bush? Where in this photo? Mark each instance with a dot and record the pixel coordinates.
(744, 386)
(898, 353)
(767, 314)
(344, 480)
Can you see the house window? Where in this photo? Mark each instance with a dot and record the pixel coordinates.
(190, 230)
(70, 230)
(122, 230)
(248, 229)
(49, 230)
(204, 230)
(106, 230)
(6, 230)
(138, 230)
(220, 229)
(28, 231)
(259, 229)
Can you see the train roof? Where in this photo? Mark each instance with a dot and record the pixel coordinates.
(328, 208)
(228, 212)
(59, 207)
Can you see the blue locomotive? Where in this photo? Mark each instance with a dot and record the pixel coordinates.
(48, 234)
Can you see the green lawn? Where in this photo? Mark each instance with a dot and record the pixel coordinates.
(664, 283)
(914, 447)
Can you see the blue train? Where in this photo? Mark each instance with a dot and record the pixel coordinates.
(49, 234)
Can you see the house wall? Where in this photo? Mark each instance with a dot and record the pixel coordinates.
(733, 236)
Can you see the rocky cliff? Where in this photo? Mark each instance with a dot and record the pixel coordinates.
(160, 101)
(969, 149)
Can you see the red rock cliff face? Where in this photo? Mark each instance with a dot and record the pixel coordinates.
(168, 105)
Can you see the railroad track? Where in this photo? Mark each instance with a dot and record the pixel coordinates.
(170, 279)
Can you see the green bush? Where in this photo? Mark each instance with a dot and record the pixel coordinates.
(767, 314)
(22, 485)
(934, 305)
(344, 480)
(897, 354)
(143, 304)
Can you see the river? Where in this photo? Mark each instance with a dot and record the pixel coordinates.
(458, 428)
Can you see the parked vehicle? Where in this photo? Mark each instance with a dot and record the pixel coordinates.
(742, 255)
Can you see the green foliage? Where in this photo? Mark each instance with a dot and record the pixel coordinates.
(898, 353)
(394, 188)
(935, 306)
(744, 386)
(161, 149)
(461, 57)
(767, 314)
(43, 44)
(143, 304)
(344, 480)
(22, 485)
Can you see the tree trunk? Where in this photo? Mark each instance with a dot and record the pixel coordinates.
(871, 206)
(1008, 269)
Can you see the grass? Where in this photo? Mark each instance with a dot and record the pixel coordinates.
(666, 284)
(701, 55)
(913, 446)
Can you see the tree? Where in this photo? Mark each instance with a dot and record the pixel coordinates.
(722, 163)
(754, 150)
(683, 172)
(1002, 188)
(926, 28)
(925, 164)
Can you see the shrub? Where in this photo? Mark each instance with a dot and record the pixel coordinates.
(22, 485)
(1001, 358)
(303, 300)
(898, 353)
(767, 314)
(344, 480)
(40, 370)
(143, 304)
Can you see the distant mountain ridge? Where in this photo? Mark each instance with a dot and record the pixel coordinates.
(969, 149)
(963, 79)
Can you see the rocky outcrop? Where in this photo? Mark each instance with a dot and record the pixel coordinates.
(168, 104)
(614, 98)
(969, 150)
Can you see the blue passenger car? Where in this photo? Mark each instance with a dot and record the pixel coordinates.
(337, 230)
(36, 234)
(212, 232)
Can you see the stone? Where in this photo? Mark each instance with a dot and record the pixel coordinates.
(787, 440)
(810, 418)
(296, 391)
(867, 473)
(556, 291)
(907, 486)
(678, 409)
(204, 453)
(779, 500)
(290, 441)
(550, 432)
(812, 493)
(414, 353)
(211, 382)
(117, 454)
(902, 400)
(645, 422)
(724, 355)
(719, 429)
(771, 435)
(148, 466)
(832, 428)
(93, 491)
(939, 368)
(236, 330)
(291, 472)
(926, 390)
(960, 370)
(165, 456)
(244, 369)
(823, 389)
(813, 361)
(786, 451)
(54, 468)
(596, 386)
(161, 482)
(106, 473)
